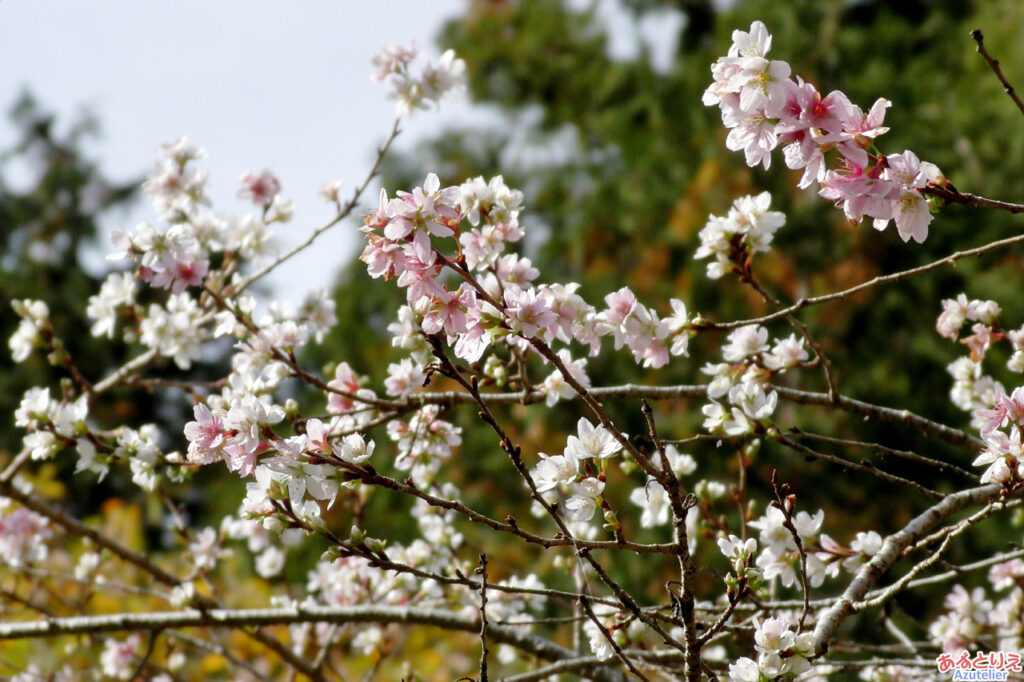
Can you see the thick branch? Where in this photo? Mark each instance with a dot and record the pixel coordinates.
(887, 414)
(891, 550)
(533, 644)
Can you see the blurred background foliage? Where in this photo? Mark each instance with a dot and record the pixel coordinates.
(621, 166)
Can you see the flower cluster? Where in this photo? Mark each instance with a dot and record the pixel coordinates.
(973, 620)
(748, 228)
(493, 307)
(740, 554)
(781, 652)
(23, 535)
(35, 321)
(764, 108)
(573, 470)
(996, 413)
(750, 362)
(1001, 430)
(419, 89)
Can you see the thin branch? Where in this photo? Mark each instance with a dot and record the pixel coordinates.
(887, 414)
(723, 619)
(867, 468)
(372, 477)
(572, 665)
(959, 571)
(150, 647)
(747, 276)
(218, 649)
(15, 465)
(948, 195)
(885, 450)
(585, 603)
(343, 213)
(952, 196)
(932, 558)
(994, 64)
(482, 570)
(785, 501)
(118, 375)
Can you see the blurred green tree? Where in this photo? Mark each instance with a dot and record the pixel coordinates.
(53, 198)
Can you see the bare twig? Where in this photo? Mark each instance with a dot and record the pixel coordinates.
(150, 646)
(948, 195)
(15, 465)
(994, 64)
(951, 196)
(343, 213)
(785, 502)
(885, 450)
(875, 471)
(482, 570)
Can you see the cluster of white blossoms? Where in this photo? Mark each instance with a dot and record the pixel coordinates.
(764, 108)
(748, 228)
(998, 414)
(974, 621)
(417, 88)
(35, 321)
(782, 652)
(743, 379)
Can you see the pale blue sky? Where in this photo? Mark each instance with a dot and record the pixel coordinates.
(258, 83)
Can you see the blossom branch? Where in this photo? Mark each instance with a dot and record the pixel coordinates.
(514, 454)
(77, 528)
